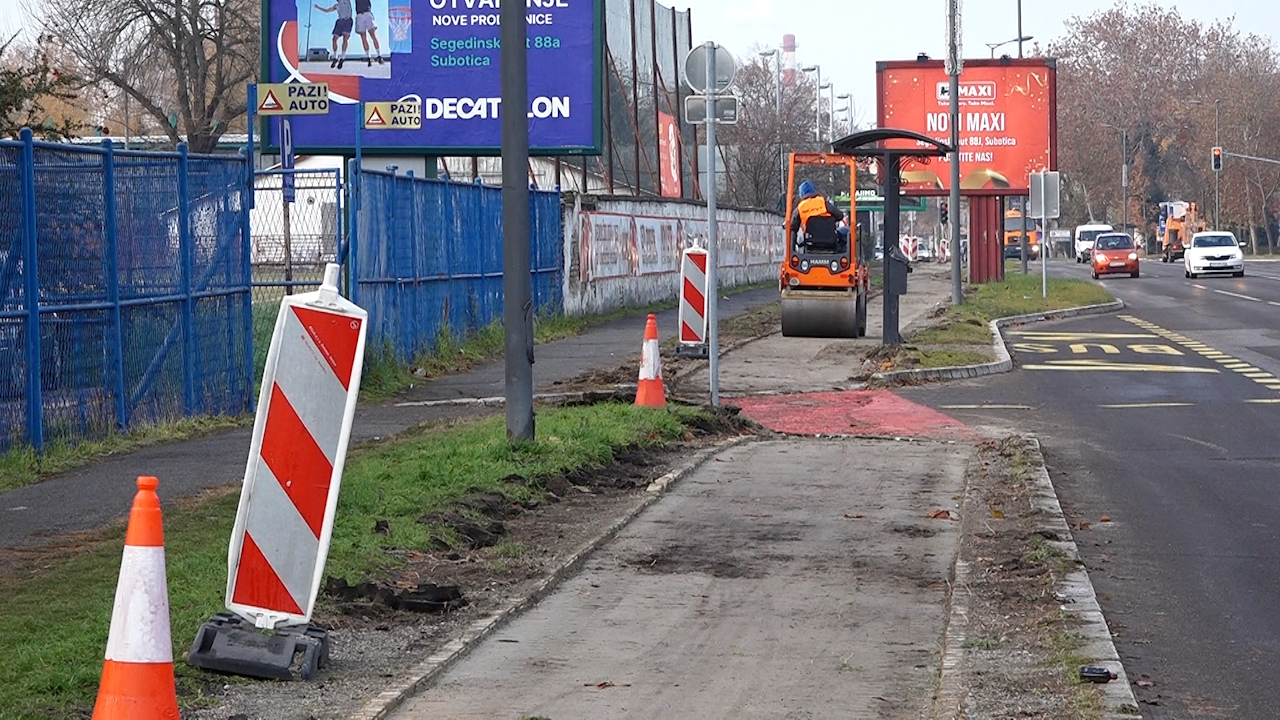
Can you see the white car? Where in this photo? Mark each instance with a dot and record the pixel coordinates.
(1085, 237)
(1213, 252)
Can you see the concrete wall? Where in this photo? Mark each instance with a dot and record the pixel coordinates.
(625, 251)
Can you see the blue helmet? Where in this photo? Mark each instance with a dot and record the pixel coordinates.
(807, 190)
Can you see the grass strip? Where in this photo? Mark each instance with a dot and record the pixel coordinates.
(54, 616)
(383, 377)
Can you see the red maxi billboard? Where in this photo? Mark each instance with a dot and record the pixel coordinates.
(1008, 121)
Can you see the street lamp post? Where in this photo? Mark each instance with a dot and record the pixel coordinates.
(777, 108)
(817, 113)
(847, 109)
(1124, 175)
(1019, 40)
(831, 105)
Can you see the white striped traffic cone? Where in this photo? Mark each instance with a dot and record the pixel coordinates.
(137, 676)
(650, 392)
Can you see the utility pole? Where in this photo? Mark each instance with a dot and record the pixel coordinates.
(955, 64)
(517, 285)
(1217, 218)
(1019, 28)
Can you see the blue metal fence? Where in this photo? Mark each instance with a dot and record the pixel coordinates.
(139, 307)
(428, 257)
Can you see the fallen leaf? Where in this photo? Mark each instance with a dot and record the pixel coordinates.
(605, 684)
(997, 514)
(941, 515)
(847, 516)
(1105, 518)
(1146, 683)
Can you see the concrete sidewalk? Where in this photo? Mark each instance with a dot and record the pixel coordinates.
(783, 579)
(97, 494)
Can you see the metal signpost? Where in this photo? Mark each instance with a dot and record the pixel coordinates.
(709, 70)
(954, 66)
(1045, 206)
(284, 100)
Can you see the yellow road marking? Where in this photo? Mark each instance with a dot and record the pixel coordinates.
(1118, 367)
(1127, 406)
(1074, 337)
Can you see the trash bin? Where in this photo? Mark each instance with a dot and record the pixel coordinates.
(897, 268)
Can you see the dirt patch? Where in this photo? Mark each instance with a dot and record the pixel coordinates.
(678, 559)
(1021, 650)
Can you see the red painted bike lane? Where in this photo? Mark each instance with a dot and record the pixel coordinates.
(876, 413)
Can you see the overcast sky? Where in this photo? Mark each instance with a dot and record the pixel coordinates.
(847, 37)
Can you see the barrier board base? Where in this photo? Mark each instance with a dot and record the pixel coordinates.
(697, 351)
(229, 644)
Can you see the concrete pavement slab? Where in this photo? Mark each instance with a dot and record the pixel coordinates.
(790, 364)
(785, 579)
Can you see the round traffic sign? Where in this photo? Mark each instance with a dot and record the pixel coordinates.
(695, 68)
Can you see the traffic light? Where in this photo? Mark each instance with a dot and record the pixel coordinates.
(942, 212)
(1217, 159)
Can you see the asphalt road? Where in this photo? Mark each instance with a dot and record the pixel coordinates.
(1159, 424)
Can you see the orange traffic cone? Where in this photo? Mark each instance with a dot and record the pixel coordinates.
(137, 676)
(650, 392)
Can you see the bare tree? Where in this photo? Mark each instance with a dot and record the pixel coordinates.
(1174, 87)
(757, 142)
(36, 92)
(183, 63)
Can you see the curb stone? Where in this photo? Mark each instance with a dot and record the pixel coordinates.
(1075, 593)
(1078, 597)
(1003, 362)
(423, 674)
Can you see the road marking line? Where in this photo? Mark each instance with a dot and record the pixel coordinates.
(1238, 295)
(1205, 443)
(1273, 302)
(986, 407)
(1129, 406)
(1264, 401)
(1256, 375)
(1198, 286)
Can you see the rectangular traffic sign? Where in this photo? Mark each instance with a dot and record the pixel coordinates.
(293, 99)
(695, 109)
(398, 115)
(1045, 195)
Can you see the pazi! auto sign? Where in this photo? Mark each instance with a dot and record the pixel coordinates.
(443, 55)
(1008, 121)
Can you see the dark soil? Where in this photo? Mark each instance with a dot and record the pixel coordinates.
(497, 543)
(1019, 644)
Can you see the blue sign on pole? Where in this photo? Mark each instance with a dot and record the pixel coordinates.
(286, 159)
(444, 54)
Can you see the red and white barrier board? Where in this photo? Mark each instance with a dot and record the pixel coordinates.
(910, 247)
(309, 389)
(693, 296)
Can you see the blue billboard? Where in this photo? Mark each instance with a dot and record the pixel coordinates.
(444, 54)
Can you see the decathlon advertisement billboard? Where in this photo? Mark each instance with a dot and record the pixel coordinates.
(1008, 121)
(443, 54)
